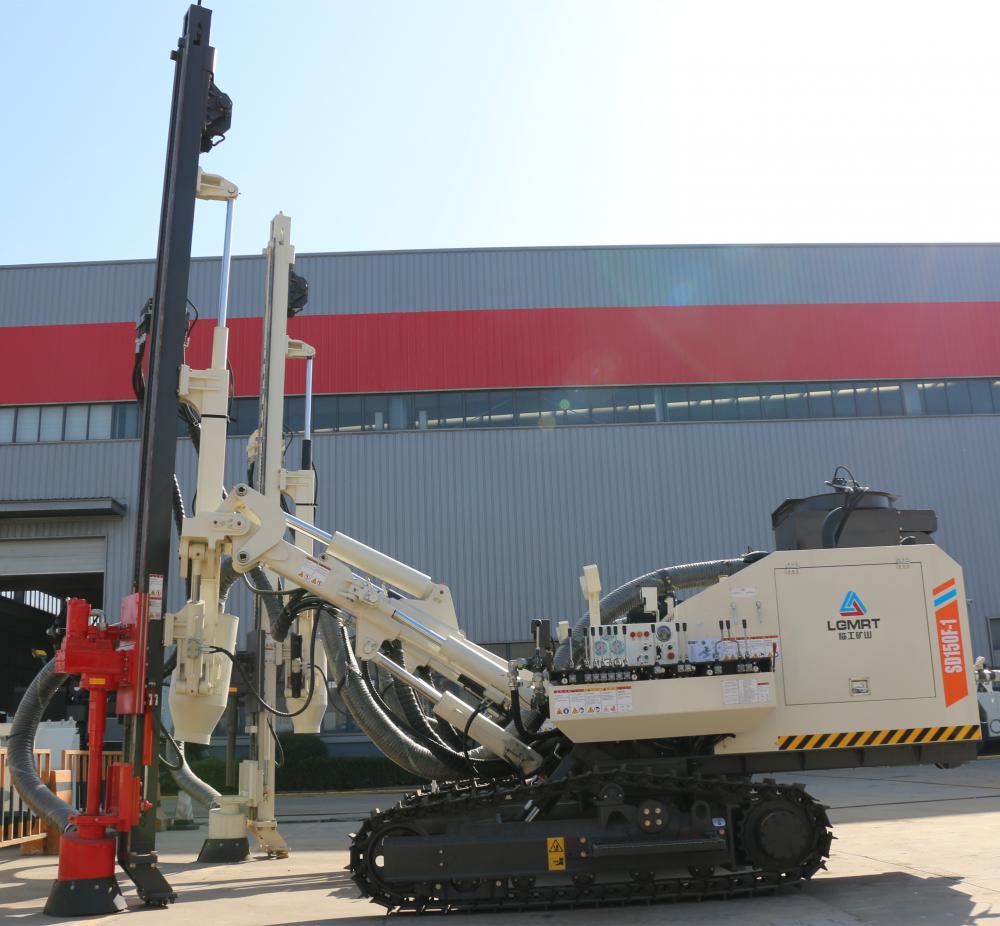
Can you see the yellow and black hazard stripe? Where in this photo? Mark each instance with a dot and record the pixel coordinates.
(900, 737)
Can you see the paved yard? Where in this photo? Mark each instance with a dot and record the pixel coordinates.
(913, 846)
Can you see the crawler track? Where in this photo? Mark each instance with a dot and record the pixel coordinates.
(640, 881)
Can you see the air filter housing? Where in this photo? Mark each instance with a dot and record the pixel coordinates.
(875, 522)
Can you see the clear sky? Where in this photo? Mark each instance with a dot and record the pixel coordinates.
(406, 124)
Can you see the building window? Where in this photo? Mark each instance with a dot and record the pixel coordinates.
(76, 422)
(26, 430)
(538, 408)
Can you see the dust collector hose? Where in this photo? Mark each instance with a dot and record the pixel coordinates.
(393, 742)
(623, 599)
(20, 749)
(191, 784)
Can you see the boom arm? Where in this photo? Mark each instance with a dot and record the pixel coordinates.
(253, 527)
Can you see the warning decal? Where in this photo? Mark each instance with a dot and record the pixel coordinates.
(556, 848)
(592, 700)
(745, 691)
(313, 572)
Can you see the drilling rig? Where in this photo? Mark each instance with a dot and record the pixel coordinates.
(622, 761)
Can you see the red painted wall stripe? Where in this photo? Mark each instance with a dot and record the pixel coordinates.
(506, 348)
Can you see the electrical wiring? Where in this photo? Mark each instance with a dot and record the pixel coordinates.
(275, 592)
(270, 708)
(177, 749)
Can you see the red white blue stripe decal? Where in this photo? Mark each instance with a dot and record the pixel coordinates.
(950, 645)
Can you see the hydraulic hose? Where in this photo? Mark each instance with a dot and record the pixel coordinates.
(21, 744)
(623, 599)
(394, 743)
(408, 701)
(228, 577)
(417, 725)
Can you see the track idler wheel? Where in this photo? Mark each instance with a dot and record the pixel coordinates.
(780, 834)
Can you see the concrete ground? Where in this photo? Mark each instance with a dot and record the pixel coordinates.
(913, 846)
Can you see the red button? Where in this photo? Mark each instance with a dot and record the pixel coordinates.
(670, 655)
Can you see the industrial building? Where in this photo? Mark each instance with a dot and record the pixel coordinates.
(500, 418)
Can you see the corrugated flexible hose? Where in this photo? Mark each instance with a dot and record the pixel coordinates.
(21, 745)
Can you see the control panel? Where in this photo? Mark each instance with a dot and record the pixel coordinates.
(636, 644)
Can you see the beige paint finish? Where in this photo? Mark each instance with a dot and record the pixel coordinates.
(674, 707)
(795, 597)
(887, 650)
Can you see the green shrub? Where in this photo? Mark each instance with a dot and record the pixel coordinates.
(302, 746)
(345, 773)
(314, 773)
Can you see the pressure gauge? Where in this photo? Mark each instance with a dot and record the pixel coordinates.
(601, 648)
(617, 647)
(663, 633)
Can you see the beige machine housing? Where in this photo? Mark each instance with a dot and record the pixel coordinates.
(860, 646)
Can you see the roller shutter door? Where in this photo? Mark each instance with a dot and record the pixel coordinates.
(67, 556)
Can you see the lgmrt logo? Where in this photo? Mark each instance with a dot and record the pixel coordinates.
(854, 623)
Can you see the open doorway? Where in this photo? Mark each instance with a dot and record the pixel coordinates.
(29, 604)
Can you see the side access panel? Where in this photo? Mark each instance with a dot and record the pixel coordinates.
(857, 633)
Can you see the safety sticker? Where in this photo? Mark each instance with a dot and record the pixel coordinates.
(313, 572)
(745, 691)
(556, 848)
(592, 700)
(155, 597)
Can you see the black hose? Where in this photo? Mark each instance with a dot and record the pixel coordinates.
(178, 506)
(281, 624)
(482, 766)
(525, 734)
(21, 745)
(394, 743)
(849, 509)
(829, 528)
(228, 577)
(836, 520)
(408, 701)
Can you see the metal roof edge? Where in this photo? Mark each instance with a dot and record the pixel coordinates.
(539, 248)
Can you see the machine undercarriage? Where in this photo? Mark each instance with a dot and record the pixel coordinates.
(625, 835)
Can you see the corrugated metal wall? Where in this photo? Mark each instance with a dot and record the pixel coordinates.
(77, 470)
(408, 281)
(508, 517)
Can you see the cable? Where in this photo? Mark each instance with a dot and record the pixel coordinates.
(257, 696)
(177, 749)
(277, 592)
(278, 763)
(197, 316)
